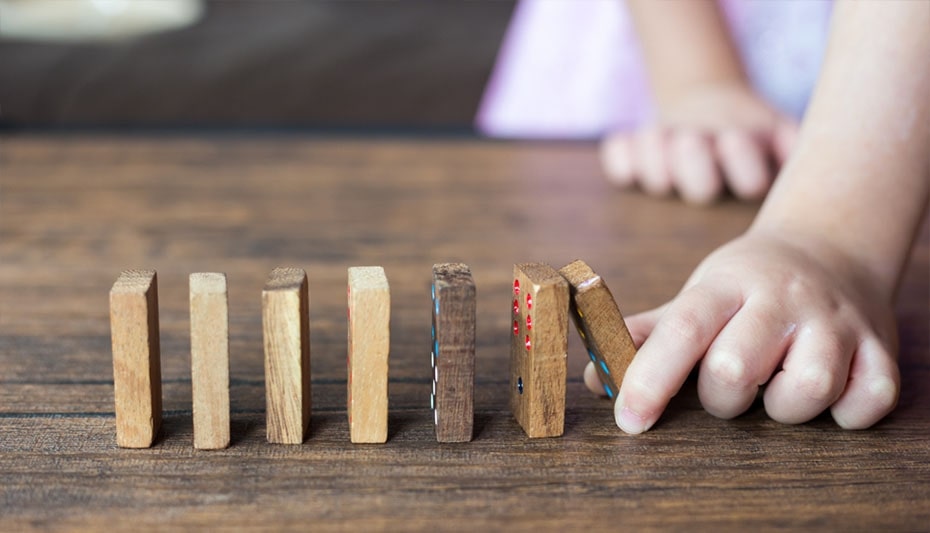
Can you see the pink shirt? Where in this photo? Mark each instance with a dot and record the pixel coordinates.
(572, 69)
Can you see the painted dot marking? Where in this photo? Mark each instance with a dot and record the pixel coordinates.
(529, 345)
(604, 367)
(592, 356)
(516, 306)
(516, 327)
(516, 287)
(529, 322)
(529, 301)
(610, 393)
(520, 385)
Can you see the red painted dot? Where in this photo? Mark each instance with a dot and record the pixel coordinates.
(529, 322)
(516, 287)
(528, 344)
(529, 301)
(516, 307)
(516, 327)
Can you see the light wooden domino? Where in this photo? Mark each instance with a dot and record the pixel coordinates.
(539, 346)
(453, 352)
(600, 325)
(136, 358)
(286, 332)
(210, 360)
(369, 339)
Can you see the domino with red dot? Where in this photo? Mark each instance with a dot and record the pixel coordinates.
(539, 346)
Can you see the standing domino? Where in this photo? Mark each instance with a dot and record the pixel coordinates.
(600, 325)
(210, 360)
(453, 352)
(136, 358)
(369, 339)
(538, 349)
(286, 332)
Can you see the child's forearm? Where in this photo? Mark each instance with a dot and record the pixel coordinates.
(860, 178)
(686, 44)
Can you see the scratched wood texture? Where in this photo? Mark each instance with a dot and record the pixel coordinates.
(75, 210)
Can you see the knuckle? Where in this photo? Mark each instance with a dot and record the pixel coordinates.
(685, 325)
(883, 393)
(729, 369)
(819, 384)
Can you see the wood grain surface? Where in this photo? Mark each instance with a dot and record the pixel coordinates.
(136, 358)
(210, 359)
(369, 345)
(454, 317)
(539, 349)
(75, 210)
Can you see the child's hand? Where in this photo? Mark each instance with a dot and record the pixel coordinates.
(781, 311)
(711, 136)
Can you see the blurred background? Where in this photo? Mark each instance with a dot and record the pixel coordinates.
(246, 63)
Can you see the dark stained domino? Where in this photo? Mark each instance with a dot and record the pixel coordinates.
(600, 325)
(453, 352)
(538, 349)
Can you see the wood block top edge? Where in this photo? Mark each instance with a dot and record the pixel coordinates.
(207, 283)
(285, 279)
(540, 274)
(580, 275)
(368, 278)
(134, 281)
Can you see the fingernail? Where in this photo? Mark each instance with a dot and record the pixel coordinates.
(630, 421)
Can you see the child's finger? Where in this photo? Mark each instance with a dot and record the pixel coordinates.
(641, 325)
(592, 381)
(744, 164)
(743, 356)
(694, 171)
(813, 377)
(617, 160)
(651, 162)
(872, 390)
(784, 139)
(679, 340)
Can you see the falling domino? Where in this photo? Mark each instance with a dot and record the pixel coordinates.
(369, 340)
(136, 358)
(600, 325)
(210, 360)
(286, 331)
(453, 352)
(539, 346)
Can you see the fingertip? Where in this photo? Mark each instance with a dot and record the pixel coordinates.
(617, 160)
(651, 162)
(592, 381)
(629, 420)
(744, 164)
(784, 140)
(694, 171)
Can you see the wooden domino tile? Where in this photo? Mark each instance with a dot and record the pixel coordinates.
(136, 358)
(210, 360)
(369, 338)
(453, 352)
(600, 325)
(539, 348)
(286, 332)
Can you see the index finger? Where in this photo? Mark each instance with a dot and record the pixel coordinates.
(679, 340)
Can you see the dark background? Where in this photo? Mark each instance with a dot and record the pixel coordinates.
(330, 64)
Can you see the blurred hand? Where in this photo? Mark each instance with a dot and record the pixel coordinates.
(794, 316)
(710, 139)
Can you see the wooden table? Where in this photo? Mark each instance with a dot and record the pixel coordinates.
(78, 209)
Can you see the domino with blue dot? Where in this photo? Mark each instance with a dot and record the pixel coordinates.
(452, 352)
(600, 325)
